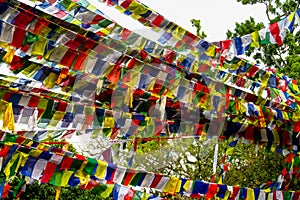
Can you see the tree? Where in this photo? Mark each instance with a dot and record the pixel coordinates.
(284, 58)
(250, 165)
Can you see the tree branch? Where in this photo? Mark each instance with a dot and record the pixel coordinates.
(267, 10)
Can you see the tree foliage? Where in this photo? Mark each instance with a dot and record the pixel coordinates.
(197, 24)
(36, 191)
(250, 165)
(284, 58)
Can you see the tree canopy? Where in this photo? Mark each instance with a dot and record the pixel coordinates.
(284, 58)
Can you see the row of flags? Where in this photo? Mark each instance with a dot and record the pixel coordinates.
(37, 116)
(172, 33)
(55, 166)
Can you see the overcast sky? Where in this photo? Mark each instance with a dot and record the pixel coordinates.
(217, 16)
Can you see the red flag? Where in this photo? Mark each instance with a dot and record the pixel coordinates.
(275, 31)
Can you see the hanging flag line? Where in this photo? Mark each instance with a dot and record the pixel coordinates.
(61, 115)
(223, 74)
(244, 82)
(170, 31)
(258, 108)
(187, 61)
(29, 85)
(61, 170)
(232, 128)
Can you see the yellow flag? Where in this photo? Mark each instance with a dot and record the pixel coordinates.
(276, 136)
(9, 164)
(66, 175)
(229, 151)
(186, 186)
(211, 51)
(8, 120)
(285, 115)
(291, 16)
(171, 185)
(120, 9)
(108, 191)
(35, 152)
(265, 78)
(145, 196)
(250, 194)
(220, 180)
(296, 116)
(109, 122)
(74, 5)
(178, 185)
(255, 39)
(49, 82)
(23, 158)
(38, 47)
(58, 115)
(101, 169)
(137, 8)
(32, 69)
(83, 177)
(4, 45)
(227, 194)
(179, 33)
(241, 107)
(9, 56)
(76, 22)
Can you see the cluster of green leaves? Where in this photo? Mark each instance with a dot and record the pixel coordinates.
(250, 166)
(253, 167)
(36, 191)
(148, 146)
(197, 24)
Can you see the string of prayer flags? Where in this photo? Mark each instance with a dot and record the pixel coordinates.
(171, 31)
(67, 126)
(40, 163)
(249, 110)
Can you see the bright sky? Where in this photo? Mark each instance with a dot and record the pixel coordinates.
(217, 16)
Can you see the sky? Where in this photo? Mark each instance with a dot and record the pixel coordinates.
(217, 16)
